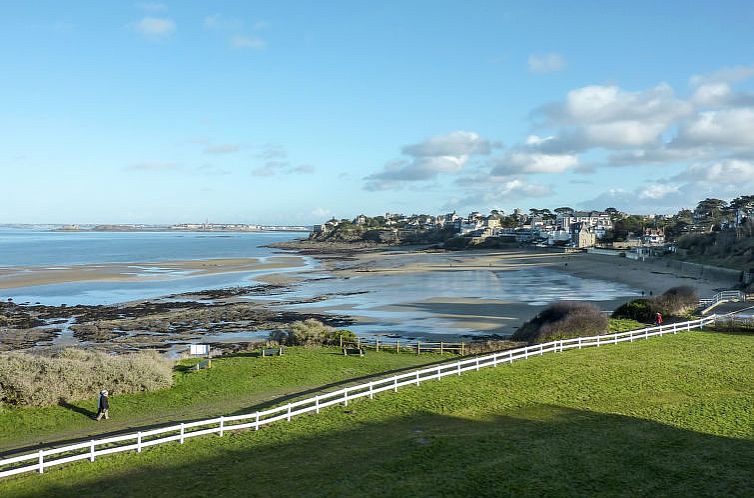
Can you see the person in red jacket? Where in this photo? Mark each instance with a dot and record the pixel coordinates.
(658, 319)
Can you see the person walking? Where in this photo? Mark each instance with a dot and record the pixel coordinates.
(658, 319)
(103, 405)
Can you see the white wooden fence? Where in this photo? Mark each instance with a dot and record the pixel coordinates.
(720, 297)
(89, 450)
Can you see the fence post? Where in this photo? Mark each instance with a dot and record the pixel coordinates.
(417, 378)
(579, 342)
(510, 358)
(598, 340)
(371, 390)
(395, 384)
(459, 367)
(541, 347)
(462, 347)
(91, 451)
(418, 346)
(256, 422)
(138, 443)
(477, 364)
(222, 425)
(358, 342)
(378, 345)
(341, 341)
(41, 461)
(316, 403)
(289, 412)
(397, 345)
(675, 330)
(182, 432)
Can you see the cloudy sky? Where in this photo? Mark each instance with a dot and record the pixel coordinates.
(292, 112)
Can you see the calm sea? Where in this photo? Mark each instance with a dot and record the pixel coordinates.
(50, 249)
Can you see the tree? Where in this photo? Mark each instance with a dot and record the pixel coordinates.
(710, 210)
(564, 210)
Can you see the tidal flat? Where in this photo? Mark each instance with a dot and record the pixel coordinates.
(389, 293)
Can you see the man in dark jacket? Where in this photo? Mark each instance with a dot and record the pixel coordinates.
(103, 406)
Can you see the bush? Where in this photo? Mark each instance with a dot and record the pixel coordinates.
(311, 332)
(674, 301)
(678, 300)
(641, 310)
(563, 321)
(75, 374)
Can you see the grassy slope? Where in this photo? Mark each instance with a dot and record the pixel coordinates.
(667, 416)
(233, 385)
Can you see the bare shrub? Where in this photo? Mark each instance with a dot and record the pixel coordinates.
(310, 332)
(75, 374)
(562, 321)
(678, 300)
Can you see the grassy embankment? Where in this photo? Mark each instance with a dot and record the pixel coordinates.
(232, 385)
(669, 416)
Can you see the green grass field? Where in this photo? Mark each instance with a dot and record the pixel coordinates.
(233, 385)
(669, 416)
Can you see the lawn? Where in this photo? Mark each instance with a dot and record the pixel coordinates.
(669, 416)
(233, 385)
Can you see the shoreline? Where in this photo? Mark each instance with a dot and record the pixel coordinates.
(231, 318)
(30, 276)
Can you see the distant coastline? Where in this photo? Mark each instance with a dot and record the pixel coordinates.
(185, 227)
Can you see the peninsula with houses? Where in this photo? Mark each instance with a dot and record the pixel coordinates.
(688, 233)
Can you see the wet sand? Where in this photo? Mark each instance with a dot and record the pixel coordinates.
(15, 277)
(502, 316)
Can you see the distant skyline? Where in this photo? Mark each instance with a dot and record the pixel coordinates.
(294, 112)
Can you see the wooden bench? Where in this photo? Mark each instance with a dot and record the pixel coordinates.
(202, 365)
(354, 351)
(273, 351)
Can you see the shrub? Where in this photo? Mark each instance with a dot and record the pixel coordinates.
(641, 310)
(75, 374)
(675, 301)
(562, 321)
(678, 300)
(311, 332)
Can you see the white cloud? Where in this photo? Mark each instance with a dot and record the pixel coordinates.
(711, 94)
(658, 191)
(732, 127)
(155, 27)
(546, 63)
(522, 161)
(426, 160)
(731, 74)
(243, 41)
(731, 172)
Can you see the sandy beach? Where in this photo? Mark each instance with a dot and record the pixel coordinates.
(24, 276)
(501, 316)
(388, 292)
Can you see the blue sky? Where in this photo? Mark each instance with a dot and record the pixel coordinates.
(293, 112)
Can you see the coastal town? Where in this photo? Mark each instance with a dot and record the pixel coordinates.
(561, 227)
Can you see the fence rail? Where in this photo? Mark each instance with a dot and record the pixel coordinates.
(721, 297)
(137, 441)
(415, 347)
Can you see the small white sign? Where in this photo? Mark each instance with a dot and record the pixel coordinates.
(199, 349)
